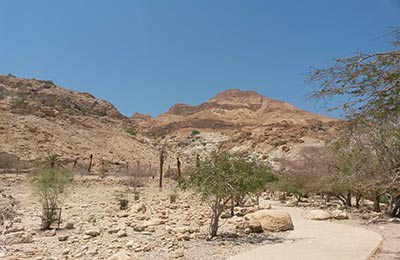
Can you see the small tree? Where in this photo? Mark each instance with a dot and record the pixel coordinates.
(49, 184)
(223, 175)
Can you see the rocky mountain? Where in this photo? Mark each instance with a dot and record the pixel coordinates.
(241, 121)
(38, 118)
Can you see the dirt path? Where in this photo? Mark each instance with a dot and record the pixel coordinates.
(319, 240)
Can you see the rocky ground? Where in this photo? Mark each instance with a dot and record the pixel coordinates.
(152, 227)
(94, 227)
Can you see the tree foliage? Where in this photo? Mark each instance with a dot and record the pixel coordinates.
(222, 176)
(367, 89)
(367, 85)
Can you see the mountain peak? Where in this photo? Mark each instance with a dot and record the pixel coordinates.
(231, 94)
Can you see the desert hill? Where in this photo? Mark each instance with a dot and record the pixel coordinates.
(38, 118)
(242, 121)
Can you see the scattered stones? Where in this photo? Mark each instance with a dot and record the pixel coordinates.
(121, 255)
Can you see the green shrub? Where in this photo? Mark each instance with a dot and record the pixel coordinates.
(50, 185)
(122, 199)
(195, 132)
(131, 131)
(172, 197)
(47, 82)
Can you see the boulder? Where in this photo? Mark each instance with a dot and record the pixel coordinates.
(92, 232)
(49, 233)
(318, 214)
(69, 225)
(270, 220)
(18, 238)
(122, 233)
(339, 214)
(62, 238)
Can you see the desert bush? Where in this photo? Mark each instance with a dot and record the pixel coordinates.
(195, 132)
(122, 198)
(50, 184)
(172, 197)
(131, 131)
(47, 82)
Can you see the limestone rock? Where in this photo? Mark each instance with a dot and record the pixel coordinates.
(270, 220)
(339, 214)
(255, 227)
(318, 214)
(69, 225)
(92, 232)
(49, 233)
(179, 254)
(18, 238)
(122, 233)
(63, 238)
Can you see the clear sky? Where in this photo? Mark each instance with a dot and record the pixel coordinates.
(146, 55)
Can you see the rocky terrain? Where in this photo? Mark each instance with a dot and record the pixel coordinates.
(38, 118)
(154, 226)
(94, 227)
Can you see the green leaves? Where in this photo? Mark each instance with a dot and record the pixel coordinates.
(223, 174)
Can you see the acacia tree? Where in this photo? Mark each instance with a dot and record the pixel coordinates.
(366, 87)
(221, 175)
(380, 171)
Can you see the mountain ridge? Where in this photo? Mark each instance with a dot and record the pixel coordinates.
(39, 118)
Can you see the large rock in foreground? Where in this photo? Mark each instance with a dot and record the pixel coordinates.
(270, 220)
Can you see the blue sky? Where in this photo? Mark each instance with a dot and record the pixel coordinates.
(148, 55)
